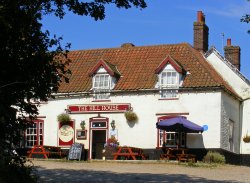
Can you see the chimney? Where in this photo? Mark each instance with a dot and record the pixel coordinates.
(232, 54)
(201, 33)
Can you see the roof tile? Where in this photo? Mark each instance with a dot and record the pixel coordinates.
(137, 67)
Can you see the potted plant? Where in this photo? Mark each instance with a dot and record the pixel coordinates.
(110, 147)
(82, 124)
(64, 118)
(131, 116)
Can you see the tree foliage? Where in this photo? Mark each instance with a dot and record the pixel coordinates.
(246, 18)
(34, 64)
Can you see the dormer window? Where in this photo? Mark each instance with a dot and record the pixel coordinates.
(104, 77)
(169, 83)
(101, 81)
(169, 78)
(101, 86)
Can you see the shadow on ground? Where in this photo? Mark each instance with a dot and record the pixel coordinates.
(67, 175)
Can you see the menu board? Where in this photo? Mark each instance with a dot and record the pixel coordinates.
(75, 151)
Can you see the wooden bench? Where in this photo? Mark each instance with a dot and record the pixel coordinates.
(129, 153)
(55, 152)
(46, 151)
(186, 157)
(126, 155)
(168, 155)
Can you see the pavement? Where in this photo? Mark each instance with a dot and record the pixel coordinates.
(136, 171)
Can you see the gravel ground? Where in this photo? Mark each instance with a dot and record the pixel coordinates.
(136, 171)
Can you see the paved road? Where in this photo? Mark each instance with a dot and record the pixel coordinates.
(111, 172)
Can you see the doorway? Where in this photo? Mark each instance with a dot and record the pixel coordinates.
(98, 141)
(97, 136)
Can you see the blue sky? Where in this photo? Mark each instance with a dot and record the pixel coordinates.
(162, 22)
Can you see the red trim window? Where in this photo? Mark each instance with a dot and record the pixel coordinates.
(34, 134)
(170, 139)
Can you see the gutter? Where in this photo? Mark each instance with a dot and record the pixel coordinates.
(71, 94)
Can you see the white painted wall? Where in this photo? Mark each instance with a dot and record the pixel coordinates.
(203, 108)
(233, 79)
(245, 147)
(230, 108)
(242, 88)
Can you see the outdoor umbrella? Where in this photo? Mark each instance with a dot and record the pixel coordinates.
(179, 124)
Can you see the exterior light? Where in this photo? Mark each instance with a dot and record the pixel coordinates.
(67, 111)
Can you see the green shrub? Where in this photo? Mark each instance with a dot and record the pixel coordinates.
(63, 118)
(214, 157)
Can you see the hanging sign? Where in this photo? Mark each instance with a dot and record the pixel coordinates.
(66, 134)
(93, 108)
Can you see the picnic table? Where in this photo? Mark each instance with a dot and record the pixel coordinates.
(46, 151)
(180, 154)
(129, 153)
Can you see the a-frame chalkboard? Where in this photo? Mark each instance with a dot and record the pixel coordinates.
(75, 151)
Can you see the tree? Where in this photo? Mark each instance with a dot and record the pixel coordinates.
(246, 18)
(33, 66)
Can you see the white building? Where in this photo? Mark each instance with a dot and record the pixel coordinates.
(156, 82)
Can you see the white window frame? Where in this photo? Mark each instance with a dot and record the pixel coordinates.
(171, 139)
(170, 80)
(102, 88)
(169, 85)
(34, 134)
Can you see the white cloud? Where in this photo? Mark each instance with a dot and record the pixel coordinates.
(227, 9)
(231, 10)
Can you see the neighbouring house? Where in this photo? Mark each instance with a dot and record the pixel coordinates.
(152, 83)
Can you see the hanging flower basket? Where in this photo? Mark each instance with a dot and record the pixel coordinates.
(64, 118)
(131, 116)
(246, 138)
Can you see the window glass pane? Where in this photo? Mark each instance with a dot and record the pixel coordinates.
(172, 139)
(169, 77)
(174, 78)
(163, 78)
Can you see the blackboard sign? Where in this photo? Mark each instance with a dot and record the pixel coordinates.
(75, 151)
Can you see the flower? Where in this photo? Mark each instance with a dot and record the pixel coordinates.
(111, 142)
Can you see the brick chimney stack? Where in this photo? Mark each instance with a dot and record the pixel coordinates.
(201, 33)
(232, 54)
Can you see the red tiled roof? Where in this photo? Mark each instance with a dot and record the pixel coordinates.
(137, 67)
(110, 68)
(170, 60)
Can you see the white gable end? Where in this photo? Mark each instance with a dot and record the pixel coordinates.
(230, 74)
(101, 70)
